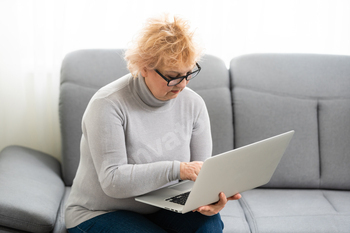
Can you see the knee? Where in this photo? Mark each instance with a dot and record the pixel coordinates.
(212, 224)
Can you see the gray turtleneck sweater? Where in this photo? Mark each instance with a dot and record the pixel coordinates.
(133, 143)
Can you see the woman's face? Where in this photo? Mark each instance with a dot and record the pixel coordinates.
(158, 86)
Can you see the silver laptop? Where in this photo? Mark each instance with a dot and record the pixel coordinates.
(231, 172)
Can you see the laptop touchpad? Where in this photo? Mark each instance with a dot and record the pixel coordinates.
(183, 186)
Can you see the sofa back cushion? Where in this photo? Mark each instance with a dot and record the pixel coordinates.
(213, 85)
(84, 72)
(275, 93)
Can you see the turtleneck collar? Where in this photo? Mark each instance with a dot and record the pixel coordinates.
(145, 94)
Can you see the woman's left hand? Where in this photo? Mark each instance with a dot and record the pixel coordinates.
(213, 209)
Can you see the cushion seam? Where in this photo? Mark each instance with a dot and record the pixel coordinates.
(329, 202)
(289, 95)
(313, 215)
(249, 215)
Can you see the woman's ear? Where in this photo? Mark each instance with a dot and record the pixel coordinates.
(144, 72)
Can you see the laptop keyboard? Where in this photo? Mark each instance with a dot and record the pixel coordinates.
(179, 199)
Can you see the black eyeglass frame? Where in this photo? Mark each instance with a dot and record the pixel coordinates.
(182, 77)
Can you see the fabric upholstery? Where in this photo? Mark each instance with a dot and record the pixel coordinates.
(33, 190)
(60, 226)
(262, 115)
(213, 85)
(297, 210)
(82, 74)
(274, 93)
(334, 121)
(10, 230)
(234, 219)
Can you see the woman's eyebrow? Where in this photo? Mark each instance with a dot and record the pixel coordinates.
(176, 72)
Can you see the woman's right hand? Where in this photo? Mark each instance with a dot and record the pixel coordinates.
(190, 170)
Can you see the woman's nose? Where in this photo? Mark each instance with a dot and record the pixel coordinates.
(183, 83)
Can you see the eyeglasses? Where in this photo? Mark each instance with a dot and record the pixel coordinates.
(174, 81)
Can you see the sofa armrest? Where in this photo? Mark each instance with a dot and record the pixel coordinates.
(31, 189)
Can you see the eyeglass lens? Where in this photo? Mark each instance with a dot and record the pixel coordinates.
(176, 81)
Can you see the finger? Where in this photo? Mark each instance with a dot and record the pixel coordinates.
(196, 169)
(214, 208)
(204, 208)
(194, 177)
(223, 199)
(210, 210)
(235, 197)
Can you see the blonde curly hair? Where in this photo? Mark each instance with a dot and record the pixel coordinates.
(163, 43)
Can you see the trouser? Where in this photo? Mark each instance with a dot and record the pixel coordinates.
(161, 221)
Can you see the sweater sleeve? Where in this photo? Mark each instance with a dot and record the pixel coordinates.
(104, 133)
(201, 141)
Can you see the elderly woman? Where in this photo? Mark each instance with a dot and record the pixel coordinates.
(141, 132)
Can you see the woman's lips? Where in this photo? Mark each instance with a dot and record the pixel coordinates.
(175, 91)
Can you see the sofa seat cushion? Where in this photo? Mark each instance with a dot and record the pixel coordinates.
(31, 190)
(233, 217)
(279, 210)
(60, 225)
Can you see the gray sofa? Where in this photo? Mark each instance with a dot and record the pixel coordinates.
(259, 96)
